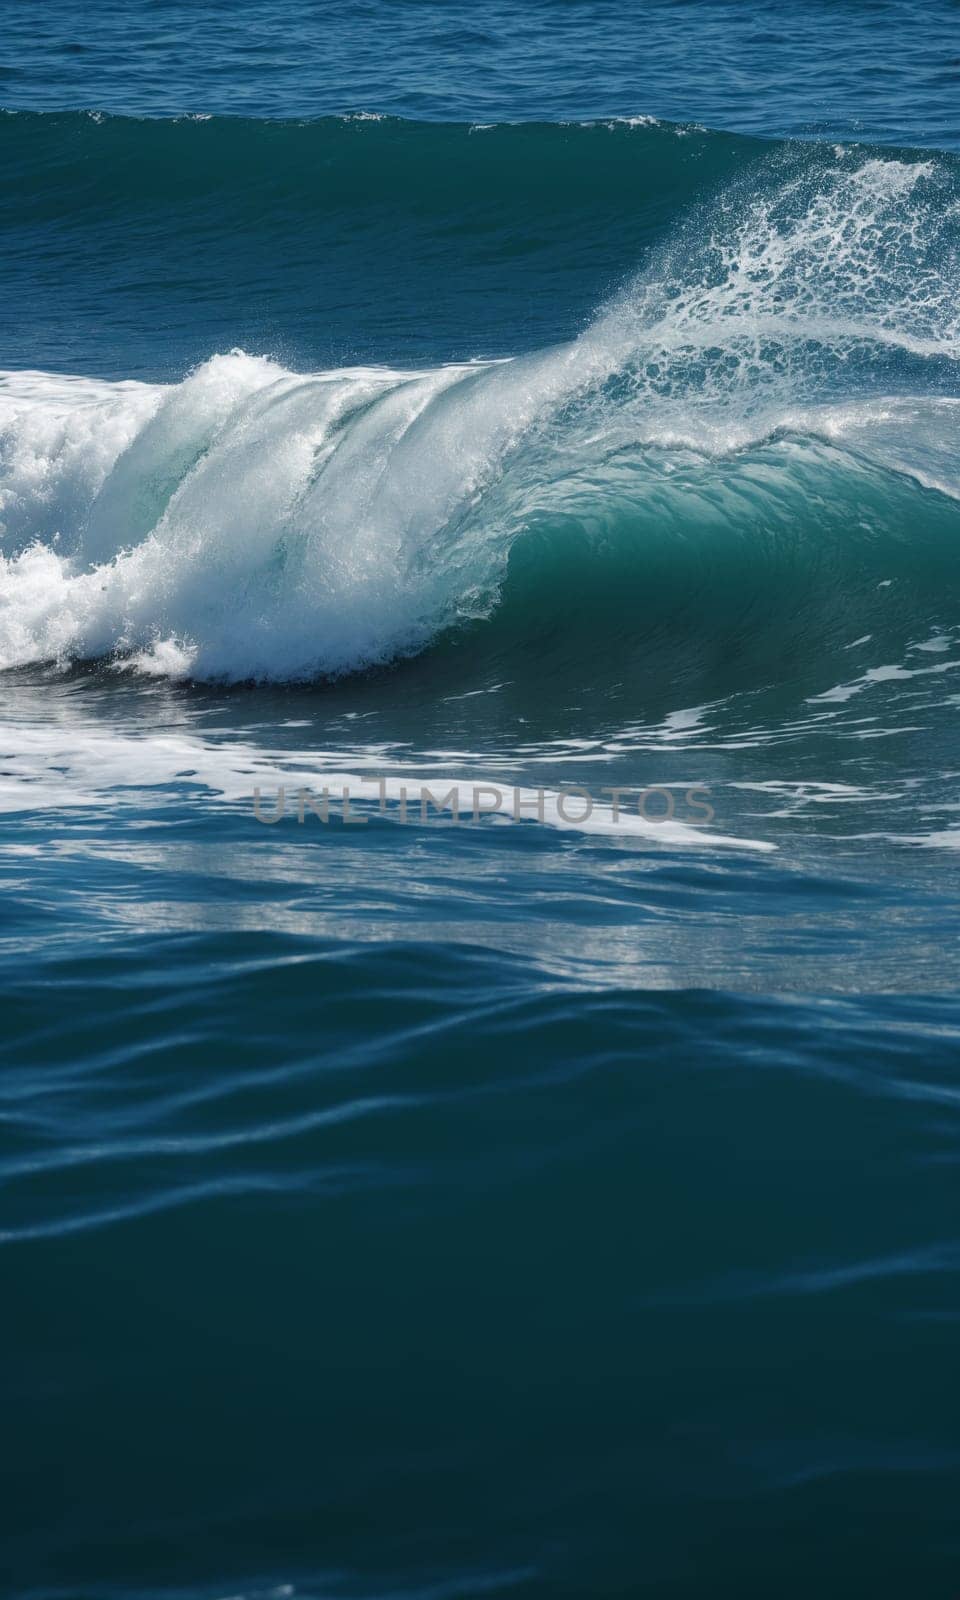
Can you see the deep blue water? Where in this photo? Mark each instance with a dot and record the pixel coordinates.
(536, 1174)
(868, 69)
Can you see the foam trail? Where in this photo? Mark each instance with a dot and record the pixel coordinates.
(85, 766)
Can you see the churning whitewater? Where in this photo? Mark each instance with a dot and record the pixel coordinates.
(789, 352)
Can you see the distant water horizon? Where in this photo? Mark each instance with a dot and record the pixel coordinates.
(479, 608)
(877, 70)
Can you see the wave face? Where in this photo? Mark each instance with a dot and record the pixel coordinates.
(768, 410)
(141, 246)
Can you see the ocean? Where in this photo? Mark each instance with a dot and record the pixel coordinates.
(479, 799)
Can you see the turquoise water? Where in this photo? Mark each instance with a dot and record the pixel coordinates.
(479, 624)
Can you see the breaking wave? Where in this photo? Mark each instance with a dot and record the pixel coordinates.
(769, 405)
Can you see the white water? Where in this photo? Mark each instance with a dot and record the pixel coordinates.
(80, 764)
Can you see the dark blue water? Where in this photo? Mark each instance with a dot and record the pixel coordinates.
(868, 69)
(479, 625)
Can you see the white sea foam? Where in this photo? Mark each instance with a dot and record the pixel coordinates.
(76, 764)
